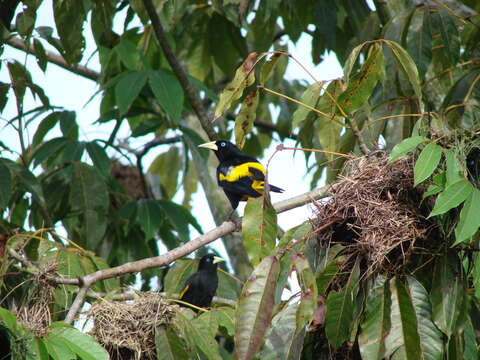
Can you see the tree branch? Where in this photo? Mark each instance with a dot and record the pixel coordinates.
(163, 260)
(179, 72)
(56, 59)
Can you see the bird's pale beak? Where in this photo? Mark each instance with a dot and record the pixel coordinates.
(217, 259)
(210, 145)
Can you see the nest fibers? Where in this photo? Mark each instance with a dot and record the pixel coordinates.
(127, 330)
(374, 211)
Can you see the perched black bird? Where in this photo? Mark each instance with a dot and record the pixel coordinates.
(201, 287)
(239, 175)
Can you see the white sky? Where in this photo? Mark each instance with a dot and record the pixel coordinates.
(72, 92)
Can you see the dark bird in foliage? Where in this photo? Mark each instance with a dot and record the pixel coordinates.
(239, 175)
(200, 288)
(473, 166)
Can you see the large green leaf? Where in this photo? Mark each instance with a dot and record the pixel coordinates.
(427, 162)
(79, 343)
(47, 149)
(45, 126)
(259, 228)
(447, 293)
(340, 310)
(168, 92)
(442, 22)
(128, 87)
(99, 157)
(149, 216)
(408, 67)
(308, 286)
(454, 168)
(90, 196)
(5, 185)
(376, 323)
(69, 18)
(413, 335)
(406, 146)
(198, 336)
(244, 77)
(168, 345)
(279, 341)
(469, 218)
(166, 168)
(255, 308)
(245, 118)
(453, 196)
(180, 218)
(360, 85)
(419, 39)
(309, 97)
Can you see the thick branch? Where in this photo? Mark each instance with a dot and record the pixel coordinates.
(56, 59)
(179, 72)
(163, 260)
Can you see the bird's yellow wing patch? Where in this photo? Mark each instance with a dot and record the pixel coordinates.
(240, 171)
(185, 289)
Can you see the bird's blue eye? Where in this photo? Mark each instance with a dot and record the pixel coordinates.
(222, 144)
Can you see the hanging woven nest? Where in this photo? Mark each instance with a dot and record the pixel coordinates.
(127, 329)
(376, 212)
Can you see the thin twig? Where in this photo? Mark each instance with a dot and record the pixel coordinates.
(179, 72)
(56, 59)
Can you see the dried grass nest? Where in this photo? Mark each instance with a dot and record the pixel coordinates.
(377, 213)
(127, 329)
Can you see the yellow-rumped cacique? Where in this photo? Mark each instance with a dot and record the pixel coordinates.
(200, 288)
(239, 175)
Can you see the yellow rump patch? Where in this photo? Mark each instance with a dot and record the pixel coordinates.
(240, 171)
(185, 289)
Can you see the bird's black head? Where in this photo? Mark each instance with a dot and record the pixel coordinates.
(223, 149)
(209, 262)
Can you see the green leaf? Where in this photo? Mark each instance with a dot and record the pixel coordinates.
(427, 162)
(45, 126)
(168, 92)
(9, 320)
(469, 219)
(259, 228)
(29, 181)
(128, 53)
(69, 18)
(58, 348)
(245, 118)
(376, 322)
(328, 129)
(150, 217)
(360, 86)
(352, 59)
(244, 77)
(81, 344)
(166, 168)
(407, 65)
(419, 39)
(340, 310)
(442, 22)
(168, 345)
(413, 334)
(255, 308)
(267, 67)
(20, 78)
(308, 286)
(99, 157)
(128, 88)
(451, 197)
(447, 293)
(226, 318)
(198, 336)
(406, 146)
(89, 195)
(279, 341)
(5, 185)
(47, 149)
(454, 169)
(309, 97)
(40, 54)
(180, 218)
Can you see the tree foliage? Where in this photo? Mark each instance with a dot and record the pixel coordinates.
(199, 70)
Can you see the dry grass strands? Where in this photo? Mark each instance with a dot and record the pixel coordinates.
(35, 313)
(127, 330)
(377, 213)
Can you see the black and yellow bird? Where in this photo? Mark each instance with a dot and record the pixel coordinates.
(200, 288)
(239, 175)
